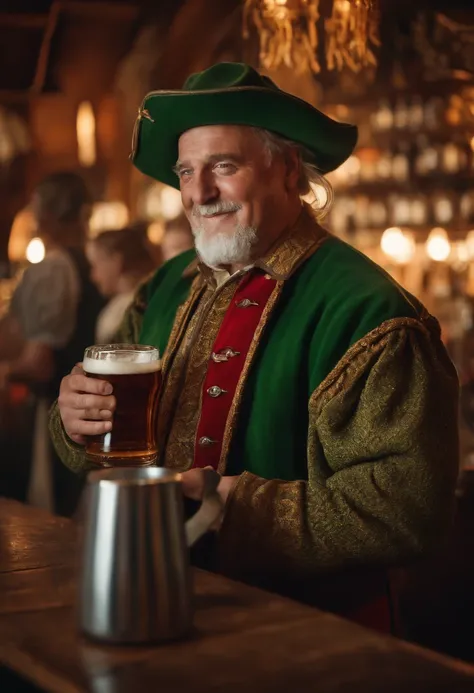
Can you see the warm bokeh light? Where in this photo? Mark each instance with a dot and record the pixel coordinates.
(171, 205)
(35, 251)
(86, 146)
(438, 246)
(470, 244)
(22, 231)
(398, 245)
(461, 252)
(162, 202)
(155, 232)
(352, 165)
(107, 216)
(14, 135)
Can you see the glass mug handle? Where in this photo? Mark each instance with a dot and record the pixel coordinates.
(210, 510)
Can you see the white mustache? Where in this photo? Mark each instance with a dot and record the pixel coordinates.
(216, 208)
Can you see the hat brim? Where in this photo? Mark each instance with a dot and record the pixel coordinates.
(165, 115)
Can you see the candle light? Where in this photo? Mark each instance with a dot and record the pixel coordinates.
(438, 247)
(398, 245)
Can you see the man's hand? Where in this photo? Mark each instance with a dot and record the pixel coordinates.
(86, 405)
(193, 485)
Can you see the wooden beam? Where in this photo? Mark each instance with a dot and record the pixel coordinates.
(111, 11)
(45, 48)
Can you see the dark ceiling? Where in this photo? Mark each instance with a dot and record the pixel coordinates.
(38, 36)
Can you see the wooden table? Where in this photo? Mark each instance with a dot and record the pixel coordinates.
(245, 640)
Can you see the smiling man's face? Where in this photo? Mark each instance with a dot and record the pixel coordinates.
(231, 190)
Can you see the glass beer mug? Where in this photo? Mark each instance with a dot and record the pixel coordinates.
(134, 371)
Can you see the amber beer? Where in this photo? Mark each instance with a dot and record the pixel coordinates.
(134, 372)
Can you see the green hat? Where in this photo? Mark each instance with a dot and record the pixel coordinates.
(232, 94)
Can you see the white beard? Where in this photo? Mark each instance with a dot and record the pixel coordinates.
(226, 249)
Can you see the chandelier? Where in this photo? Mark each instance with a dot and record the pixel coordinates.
(288, 33)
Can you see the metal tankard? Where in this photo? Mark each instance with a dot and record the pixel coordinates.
(135, 584)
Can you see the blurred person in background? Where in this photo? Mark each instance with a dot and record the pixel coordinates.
(120, 260)
(51, 319)
(177, 238)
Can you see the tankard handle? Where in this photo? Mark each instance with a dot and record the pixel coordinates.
(211, 508)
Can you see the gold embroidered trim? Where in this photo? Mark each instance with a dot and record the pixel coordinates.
(181, 320)
(239, 390)
(303, 240)
(182, 410)
(169, 394)
(192, 268)
(374, 340)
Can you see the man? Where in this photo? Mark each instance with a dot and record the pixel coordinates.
(296, 367)
(52, 315)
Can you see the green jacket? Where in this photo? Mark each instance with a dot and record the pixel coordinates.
(345, 431)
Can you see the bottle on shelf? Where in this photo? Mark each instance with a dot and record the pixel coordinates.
(401, 114)
(416, 114)
(401, 164)
(384, 117)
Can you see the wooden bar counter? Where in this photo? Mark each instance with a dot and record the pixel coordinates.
(244, 640)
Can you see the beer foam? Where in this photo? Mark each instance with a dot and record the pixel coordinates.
(119, 366)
